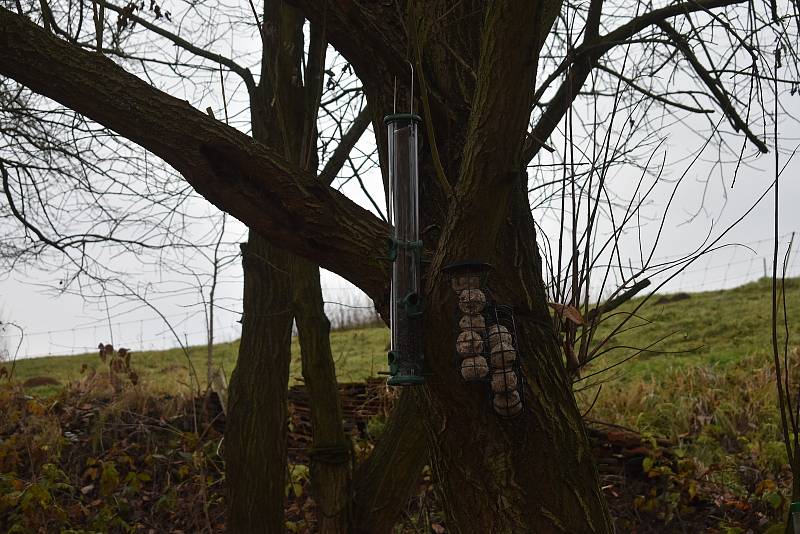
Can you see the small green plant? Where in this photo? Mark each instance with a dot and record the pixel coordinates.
(296, 482)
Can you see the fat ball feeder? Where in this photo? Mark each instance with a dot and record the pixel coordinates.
(468, 281)
(486, 337)
(506, 373)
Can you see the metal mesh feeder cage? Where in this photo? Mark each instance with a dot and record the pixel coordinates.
(468, 281)
(405, 249)
(506, 376)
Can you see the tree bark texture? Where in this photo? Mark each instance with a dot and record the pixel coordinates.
(279, 114)
(331, 455)
(284, 117)
(255, 432)
(383, 482)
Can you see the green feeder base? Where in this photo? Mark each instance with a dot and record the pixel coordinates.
(406, 380)
(403, 373)
(794, 514)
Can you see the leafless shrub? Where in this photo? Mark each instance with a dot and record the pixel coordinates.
(350, 309)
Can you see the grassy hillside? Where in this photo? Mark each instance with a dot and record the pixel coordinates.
(358, 353)
(702, 329)
(712, 390)
(708, 386)
(706, 330)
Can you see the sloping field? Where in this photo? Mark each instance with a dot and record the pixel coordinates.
(714, 328)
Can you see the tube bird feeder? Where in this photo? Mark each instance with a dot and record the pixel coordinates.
(405, 357)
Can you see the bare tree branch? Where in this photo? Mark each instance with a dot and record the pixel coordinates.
(245, 73)
(655, 96)
(584, 59)
(370, 34)
(713, 85)
(346, 144)
(313, 76)
(238, 175)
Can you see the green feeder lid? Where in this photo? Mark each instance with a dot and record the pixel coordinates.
(795, 507)
(397, 117)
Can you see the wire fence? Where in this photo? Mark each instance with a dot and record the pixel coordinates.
(348, 307)
(731, 266)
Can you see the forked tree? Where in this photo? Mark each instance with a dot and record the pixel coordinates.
(284, 98)
(488, 108)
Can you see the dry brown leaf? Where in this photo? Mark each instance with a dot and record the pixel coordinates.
(568, 311)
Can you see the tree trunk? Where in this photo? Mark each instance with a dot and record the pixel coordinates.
(532, 473)
(256, 426)
(794, 463)
(331, 455)
(383, 482)
(282, 113)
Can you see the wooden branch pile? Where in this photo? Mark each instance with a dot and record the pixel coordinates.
(360, 401)
(619, 452)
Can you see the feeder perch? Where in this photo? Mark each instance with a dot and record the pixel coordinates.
(405, 249)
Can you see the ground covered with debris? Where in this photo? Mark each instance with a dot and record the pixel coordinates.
(96, 459)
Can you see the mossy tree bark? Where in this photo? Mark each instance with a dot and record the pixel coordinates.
(293, 117)
(795, 490)
(383, 482)
(331, 455)
(283, 113)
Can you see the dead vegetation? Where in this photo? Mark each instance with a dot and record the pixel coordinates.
(94, 458)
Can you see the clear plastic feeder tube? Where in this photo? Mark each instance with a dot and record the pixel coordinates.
(405, 358)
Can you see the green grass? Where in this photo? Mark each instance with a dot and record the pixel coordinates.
(358, 353)
(714, 328)
(707, 330)
(713, 389)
